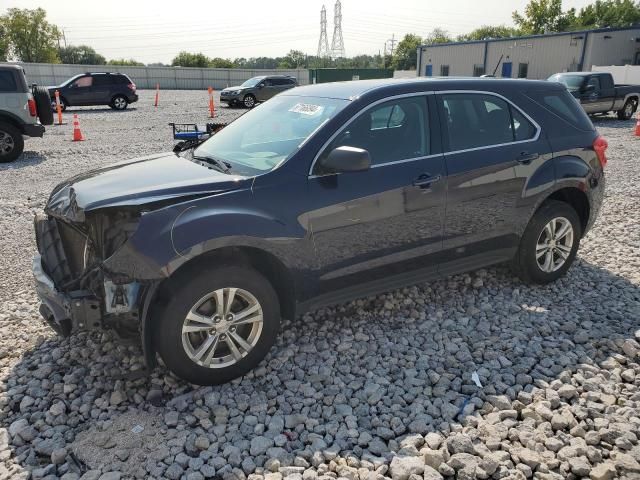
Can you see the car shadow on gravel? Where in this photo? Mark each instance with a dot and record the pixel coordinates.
(27, 159)
(347, 381)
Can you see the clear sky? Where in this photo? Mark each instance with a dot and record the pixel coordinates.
(156, 30)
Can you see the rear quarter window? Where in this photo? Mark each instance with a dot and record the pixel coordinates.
(8, 81)
(562, 104)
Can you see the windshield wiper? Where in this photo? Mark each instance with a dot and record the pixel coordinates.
(221, 165)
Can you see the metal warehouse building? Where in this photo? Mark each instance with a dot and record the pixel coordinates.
(535, 56)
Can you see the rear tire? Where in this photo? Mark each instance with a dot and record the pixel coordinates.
(11, 143)
(628, 110)
(119, 102)
(549, 244)
(43, 105)
(215, 349)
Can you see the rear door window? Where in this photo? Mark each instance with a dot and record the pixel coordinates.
(102, 80)
(481, 120)
(8, 81)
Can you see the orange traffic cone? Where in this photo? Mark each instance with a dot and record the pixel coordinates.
(638, 125)
(77, 134)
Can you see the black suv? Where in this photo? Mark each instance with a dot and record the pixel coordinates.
(113, 89)
(323, 194)
(257, 89)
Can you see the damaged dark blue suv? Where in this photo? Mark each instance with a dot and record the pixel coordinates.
(323, 194)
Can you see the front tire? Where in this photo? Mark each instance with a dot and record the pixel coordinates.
(119, 102)
(249, 101)
(628, 110)
(11, 143)
(549, 244)
(218, 324)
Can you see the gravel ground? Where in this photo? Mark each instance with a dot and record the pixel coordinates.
(380, 387)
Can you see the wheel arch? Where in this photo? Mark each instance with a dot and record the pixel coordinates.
(12, 120)
(577, 199)
(266, 263)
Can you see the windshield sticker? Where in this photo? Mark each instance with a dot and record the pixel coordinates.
(307, 109)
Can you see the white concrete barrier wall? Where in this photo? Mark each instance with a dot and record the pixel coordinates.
(621, 74)
(405, 74)
(176, 78)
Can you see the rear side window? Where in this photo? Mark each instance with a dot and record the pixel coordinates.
(8, 81)
(480, 120)
(562, 104)
(101, 80)
(392, 131)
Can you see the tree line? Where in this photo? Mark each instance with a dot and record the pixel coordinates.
(26, 35)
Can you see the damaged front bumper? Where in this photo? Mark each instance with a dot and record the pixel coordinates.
(76, 291)
(65, 312)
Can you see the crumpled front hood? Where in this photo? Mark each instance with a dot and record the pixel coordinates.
(137, 182)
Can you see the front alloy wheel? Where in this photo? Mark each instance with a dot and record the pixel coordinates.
(222, 328)
(218, 324)
(249, 101)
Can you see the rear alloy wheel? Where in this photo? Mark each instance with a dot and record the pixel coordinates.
(628, 110)
(549, 244)
(249, 101)
(11, 143)
(554, 244)
(218, 324)
(119, 103)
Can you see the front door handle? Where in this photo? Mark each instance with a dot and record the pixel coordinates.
(526, 157)
(425, 180)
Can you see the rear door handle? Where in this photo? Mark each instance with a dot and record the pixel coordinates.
(425, 180)
(526, 157)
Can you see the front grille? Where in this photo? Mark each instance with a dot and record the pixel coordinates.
(62, 249)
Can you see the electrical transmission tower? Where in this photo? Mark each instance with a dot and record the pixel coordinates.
(337, 45)
(323, 44)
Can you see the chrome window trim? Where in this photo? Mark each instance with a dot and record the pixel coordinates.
(535, 138)
(356, 115)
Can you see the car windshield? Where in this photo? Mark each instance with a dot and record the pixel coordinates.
(572, 82)
(266, 136)
(252, 82)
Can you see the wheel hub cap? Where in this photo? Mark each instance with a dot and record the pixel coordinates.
(554, 244)
(6, 143)
(222, 327)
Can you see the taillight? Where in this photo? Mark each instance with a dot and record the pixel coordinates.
(132, 87)
(600, 146)
(33, 111)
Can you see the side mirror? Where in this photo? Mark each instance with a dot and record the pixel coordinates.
(261, 85)
(345, 159)
(588, 89)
